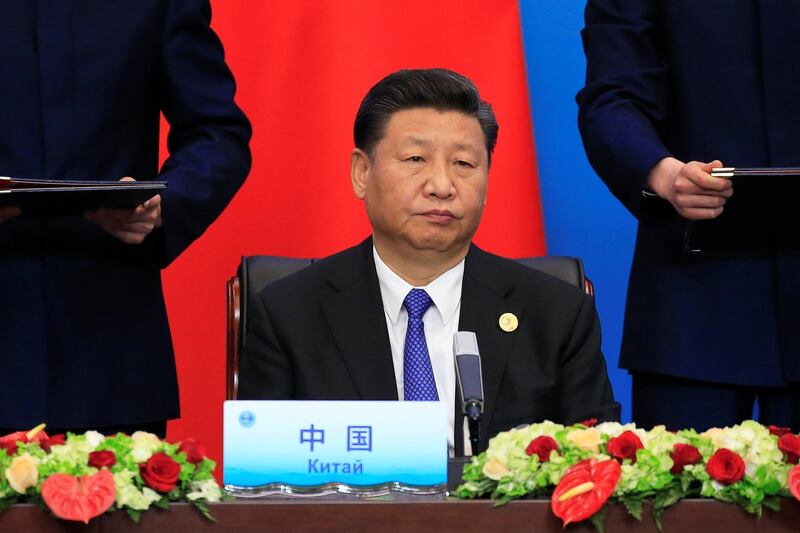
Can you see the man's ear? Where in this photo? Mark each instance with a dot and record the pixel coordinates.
(359, 169)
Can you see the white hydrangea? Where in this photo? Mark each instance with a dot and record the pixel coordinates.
(509, 445)
(94, 438)
(144, 445)
(75, 451)
(611, 429)
(753, 442)
(207, 490)
(129, 495)
(661, 441)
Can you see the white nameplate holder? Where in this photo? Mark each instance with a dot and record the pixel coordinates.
(321, 447)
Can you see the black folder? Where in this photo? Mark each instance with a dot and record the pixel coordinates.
(68, 197)
(761, 216)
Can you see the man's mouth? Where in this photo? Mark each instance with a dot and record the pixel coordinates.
(441, 216)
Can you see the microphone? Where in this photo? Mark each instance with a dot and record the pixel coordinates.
(470, 382)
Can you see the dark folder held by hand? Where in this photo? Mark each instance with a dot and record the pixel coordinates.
(66, 197)
(761, 216)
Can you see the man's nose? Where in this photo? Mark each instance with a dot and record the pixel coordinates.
(440, 181)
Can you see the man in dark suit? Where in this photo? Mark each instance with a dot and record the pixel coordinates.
(377, 321)
(673, 89)
(84, 339)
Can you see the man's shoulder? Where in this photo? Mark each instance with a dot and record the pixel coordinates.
(521, 276)
(330, 273)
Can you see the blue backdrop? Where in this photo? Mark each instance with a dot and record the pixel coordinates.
(581, 217)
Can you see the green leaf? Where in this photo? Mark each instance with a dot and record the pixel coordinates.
(723, 496)
(634, 507)
(134, 514)
(201, 506)
(658, 512)
(598, 518)
(669, 497)
(771, 487)
(502, 501)
(773, 502)
(163, 503)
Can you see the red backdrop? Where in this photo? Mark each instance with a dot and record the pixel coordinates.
(302, 69)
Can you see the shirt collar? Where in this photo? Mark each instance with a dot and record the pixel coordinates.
(445, 291)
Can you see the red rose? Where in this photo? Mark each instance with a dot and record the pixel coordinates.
(160, 472)
(790, 445)
(101, 459)
(589, 423)
(55, 440)
(779, 431)
(624, 446)
(542, 446)
(195, 452)
(725, 466)
(682, 455)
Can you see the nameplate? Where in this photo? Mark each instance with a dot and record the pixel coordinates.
(334, 446)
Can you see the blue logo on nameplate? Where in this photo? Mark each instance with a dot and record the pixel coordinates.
(247, 419)
(308, 444)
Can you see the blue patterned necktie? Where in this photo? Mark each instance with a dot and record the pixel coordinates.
(418, 381)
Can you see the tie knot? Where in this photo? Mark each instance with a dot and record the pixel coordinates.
(417, 302)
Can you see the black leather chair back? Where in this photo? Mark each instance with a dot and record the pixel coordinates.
(569, 269)
(256, 272)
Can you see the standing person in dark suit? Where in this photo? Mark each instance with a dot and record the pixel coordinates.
(673, 89)
(84, 339)
(376, 322)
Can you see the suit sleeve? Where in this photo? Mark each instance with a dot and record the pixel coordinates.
(584, 390)
(265, 370)
(209, 135)
(622, 107)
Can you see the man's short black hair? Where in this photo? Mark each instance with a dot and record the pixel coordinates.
(437, 88)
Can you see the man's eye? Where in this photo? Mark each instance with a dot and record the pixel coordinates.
(415, 159)
(466, 164)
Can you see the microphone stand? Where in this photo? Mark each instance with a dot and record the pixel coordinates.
(474, 412)
(469, 383)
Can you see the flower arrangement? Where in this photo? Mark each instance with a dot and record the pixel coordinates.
(79, 477)
(583, 466)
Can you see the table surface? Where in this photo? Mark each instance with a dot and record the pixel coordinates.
(397, 516)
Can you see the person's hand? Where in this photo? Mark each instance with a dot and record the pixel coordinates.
(9, 212)
(129, 225)
(690, 188)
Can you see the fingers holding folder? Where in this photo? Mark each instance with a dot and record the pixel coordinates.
(690, 188)
(129, 225)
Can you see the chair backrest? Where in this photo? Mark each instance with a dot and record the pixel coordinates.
(258, 271)
(254, 273)
(569, 269)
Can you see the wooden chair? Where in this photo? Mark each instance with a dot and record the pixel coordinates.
(257, 271)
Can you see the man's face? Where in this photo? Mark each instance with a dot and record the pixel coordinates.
(425, 185)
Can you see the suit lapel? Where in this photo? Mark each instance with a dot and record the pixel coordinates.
(354, 311)
(485, 295)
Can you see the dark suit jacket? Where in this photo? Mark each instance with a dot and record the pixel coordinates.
(706, 80)
(84, 339)
(321, 334)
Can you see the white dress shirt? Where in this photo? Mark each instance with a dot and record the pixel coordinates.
(441, 323)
